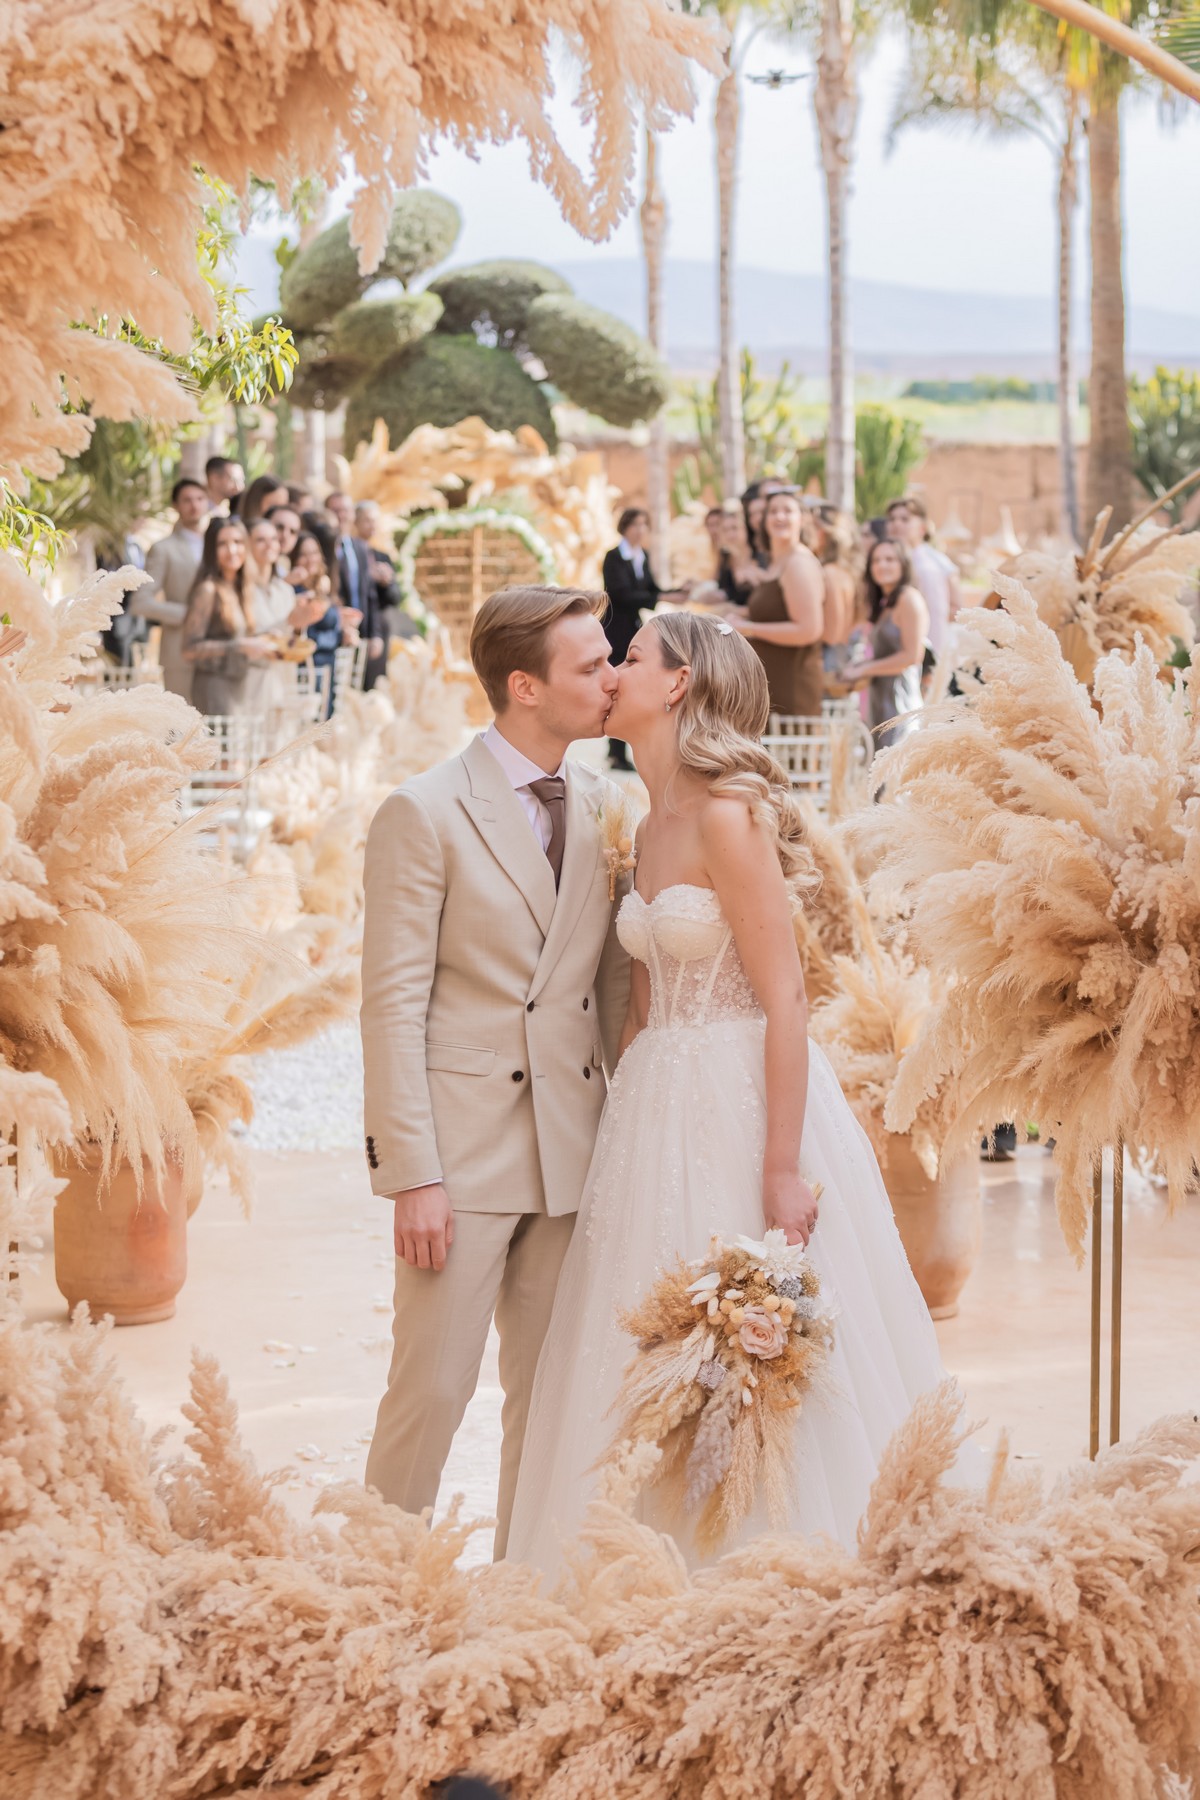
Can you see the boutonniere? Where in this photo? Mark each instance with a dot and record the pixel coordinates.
(616, 836)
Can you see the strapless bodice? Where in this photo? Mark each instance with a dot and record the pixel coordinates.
(696, 974)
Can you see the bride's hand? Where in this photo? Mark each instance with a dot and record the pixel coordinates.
(790, 1206)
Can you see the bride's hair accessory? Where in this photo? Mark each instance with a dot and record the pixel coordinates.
(729, 1349)
(724, 627)
(617, 828)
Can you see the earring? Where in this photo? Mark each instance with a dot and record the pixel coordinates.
(668, 706)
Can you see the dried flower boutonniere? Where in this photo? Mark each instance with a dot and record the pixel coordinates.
(616, 836)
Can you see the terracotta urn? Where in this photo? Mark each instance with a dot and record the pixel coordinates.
(940, 1222)
(125, 1256)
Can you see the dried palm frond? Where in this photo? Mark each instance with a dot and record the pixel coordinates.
(173, 1626)
(102, 204)
(1108, 598)
(1049, 852)
(133, 962)
(570, 496)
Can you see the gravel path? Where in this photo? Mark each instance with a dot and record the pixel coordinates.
(309, 1097)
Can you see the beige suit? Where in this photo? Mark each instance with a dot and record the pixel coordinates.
(490, 1006)
(171, 564)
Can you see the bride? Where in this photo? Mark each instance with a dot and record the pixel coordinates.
(722, 1116)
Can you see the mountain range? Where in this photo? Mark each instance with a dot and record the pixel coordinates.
(895, 328)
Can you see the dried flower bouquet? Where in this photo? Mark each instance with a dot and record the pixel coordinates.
(729, 1349)
(1048, 850)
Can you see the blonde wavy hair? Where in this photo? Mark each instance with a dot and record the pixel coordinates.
(721, 719)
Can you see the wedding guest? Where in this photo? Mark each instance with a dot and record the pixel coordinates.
(386, 599)
(300, 499)
(311, 580)
(631, 588)
(899, 621)
(933, 571)
(264, 492)
(831, 538)
(754, 505)
(224, 480)
(220, 638)
(738, 574)
(274, 597)
(712, 524)
(171, 564)
(286, 521)
(786, 614)
(354, 576)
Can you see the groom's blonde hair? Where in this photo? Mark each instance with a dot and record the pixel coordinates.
(512, 631)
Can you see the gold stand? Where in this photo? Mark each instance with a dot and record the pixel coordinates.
(1118, 1263)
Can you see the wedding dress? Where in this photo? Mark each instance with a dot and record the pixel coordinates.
(679, 1158)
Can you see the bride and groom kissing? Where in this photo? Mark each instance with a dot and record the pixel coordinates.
(578, 1071)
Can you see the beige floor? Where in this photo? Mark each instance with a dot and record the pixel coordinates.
(296, 1305)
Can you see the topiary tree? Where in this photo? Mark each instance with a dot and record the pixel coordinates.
(462, 346)
(491, 300)
(596, 360)
(324, 277)
(441, 380)
(372, 331)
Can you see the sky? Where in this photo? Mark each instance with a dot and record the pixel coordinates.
(947, 209)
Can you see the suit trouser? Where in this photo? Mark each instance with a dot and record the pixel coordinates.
(500, 1264)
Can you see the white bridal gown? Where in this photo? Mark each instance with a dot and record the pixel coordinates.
(678, 1158)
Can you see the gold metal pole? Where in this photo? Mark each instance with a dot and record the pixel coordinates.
(1097, 1246)
(1114, 1324)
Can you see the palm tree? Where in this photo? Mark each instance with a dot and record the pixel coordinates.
(1100, 76)
(727, 124)
(835, 102)
(653, 219)
(1021, 85)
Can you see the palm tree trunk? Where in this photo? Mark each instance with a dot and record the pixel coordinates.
(730, 434)
(1068, 197)
(1110, 477)
(836, 103)
(653, 217)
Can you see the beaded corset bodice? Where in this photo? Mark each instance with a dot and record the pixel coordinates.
(696, 974)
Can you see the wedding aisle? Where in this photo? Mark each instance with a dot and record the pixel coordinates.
(296, 1305)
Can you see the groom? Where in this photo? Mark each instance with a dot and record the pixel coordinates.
(494, 993)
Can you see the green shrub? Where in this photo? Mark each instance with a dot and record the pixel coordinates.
(887, 448)
(491, 300)
(442, 380)
(1164, 423)
(322, 379)
(324, 277)
(371, 331)
(595, 360)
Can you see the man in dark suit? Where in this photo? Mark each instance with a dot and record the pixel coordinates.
(357, 584)
(389, 601)
(631, 590)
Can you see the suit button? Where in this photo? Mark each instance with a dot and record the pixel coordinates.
(518, 1074)
(529, 1007)
(587, 1074)
(585, 1006)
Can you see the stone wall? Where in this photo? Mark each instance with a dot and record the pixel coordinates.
(973, 480)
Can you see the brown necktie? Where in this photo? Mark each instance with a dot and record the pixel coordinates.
(551, 790)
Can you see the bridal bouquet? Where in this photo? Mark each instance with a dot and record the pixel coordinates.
(729, 1348)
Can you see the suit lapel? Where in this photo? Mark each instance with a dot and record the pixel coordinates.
(501, 822)
(580, 856)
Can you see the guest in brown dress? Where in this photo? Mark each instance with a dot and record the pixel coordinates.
(220, 639)
(785, 617)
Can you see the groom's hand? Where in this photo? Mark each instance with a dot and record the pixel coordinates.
(424, 1226)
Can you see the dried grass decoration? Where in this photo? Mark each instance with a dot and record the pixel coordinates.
(1048, 851)
(617, 832)
(729, 1348)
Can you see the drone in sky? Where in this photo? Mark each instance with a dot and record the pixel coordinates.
(776, 79)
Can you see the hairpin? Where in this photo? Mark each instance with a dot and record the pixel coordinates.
(724, 629)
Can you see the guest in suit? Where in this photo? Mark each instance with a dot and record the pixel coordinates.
(171, 564)
(354, 577)
(224, 480)
(631, 588)
(386, 601)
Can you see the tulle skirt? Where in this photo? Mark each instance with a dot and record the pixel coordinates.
(679, 1158)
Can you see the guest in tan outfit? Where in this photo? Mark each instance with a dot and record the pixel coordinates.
(494, 994)
(785, 617)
